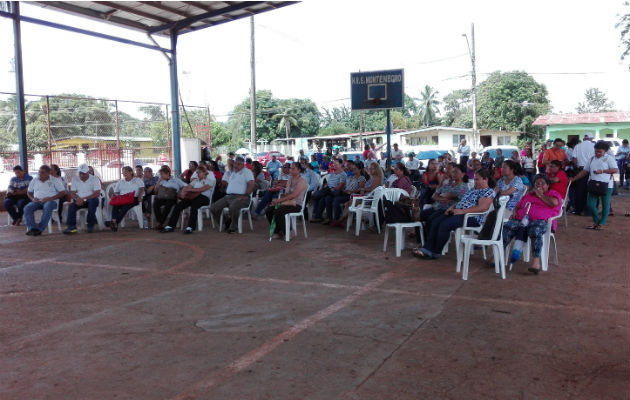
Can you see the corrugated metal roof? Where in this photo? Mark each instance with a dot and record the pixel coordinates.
(589, 118)
(160, 17)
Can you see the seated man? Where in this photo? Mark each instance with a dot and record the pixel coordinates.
(279, 183)
(44, 191)
(17, 198)
(84, 193)
(323, 198)
(240, 186)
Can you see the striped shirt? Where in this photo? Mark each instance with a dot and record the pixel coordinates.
(335, 179)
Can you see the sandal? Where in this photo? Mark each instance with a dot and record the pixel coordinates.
(600, 227)
(533, 270)
(594, 226)
(420, 254)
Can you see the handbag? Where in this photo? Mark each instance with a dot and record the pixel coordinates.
(396, 212)
(165, 193)
(597, 188)
(190, 195)
(288, 203)
(488, 225)
(122, 199)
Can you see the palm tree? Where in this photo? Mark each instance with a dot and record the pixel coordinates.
(429, 105)
(286, 120)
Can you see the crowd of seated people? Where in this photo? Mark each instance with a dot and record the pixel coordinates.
(444, 194)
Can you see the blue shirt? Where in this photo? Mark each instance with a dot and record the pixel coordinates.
(312, 178)
(335, 179)
(273, 167)
(20, 184)
(516, 183)
(471, 199)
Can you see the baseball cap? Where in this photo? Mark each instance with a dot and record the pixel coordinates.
(84, 169)
(588, 135)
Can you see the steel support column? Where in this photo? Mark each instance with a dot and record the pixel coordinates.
(19, 84)
(174, 106)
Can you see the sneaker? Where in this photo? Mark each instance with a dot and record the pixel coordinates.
(167, 229)
(188, 230)
(70, 231)
(30, 232)
(36, 232)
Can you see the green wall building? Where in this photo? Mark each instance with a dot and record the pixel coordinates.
(611, 125)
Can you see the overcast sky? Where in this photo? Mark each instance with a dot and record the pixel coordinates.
(308, 50)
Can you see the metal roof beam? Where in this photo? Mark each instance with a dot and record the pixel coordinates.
(185, 23)
(134, 11)
(160, 6)
(82, 11)
(84, 32)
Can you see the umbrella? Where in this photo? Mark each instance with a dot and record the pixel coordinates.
(272, 225)
(242, 150)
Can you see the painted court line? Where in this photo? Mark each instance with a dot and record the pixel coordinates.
(489, 300)
(250, 358)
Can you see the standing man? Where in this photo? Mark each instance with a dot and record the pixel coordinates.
(582, 154)
(240, 185)
(622, 161)
(17, 197)
(84, 192)
(396, 153)
(44, 191)
(464, 152)
(273, 167)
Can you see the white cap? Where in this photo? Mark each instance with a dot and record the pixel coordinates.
(588, 135)
(84, 169)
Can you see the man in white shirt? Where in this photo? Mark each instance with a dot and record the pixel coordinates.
(582, 155)
(413, 165)
(396, 152)
(44, 191)
(84, 193)
(240, 186)
(464, 152)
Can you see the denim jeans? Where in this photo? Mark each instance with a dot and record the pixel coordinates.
(29, 214)
(15, 206)
(91, 205)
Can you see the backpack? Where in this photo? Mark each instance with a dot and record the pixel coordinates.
(396, 212)
(488, 225)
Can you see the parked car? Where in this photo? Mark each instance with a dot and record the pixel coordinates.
(265, 157)
(115, 164)
(425, 155)
(507, 151)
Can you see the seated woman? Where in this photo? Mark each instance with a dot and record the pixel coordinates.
(402, 178)
(55, 172)
(446, 196)
(430, 181)
(213, 168)
(543, 204)
(187, 175)
(487, 162)
(195, 195)
(290, 201)
(314, 163)
(477, 200)
(261, 183)
(166, 188)
(354, 185)
(128, 184)
(510, 183)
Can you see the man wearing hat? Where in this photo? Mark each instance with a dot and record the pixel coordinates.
(84, 192)
(582, 155)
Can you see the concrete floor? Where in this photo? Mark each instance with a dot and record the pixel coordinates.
(143, 315)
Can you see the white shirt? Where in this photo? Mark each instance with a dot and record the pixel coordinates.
(396, 153)
(175, 183)
(528, 162)
(622, 151)
(413, 164)
(604, 162)
(208, 180)
(87, 188)
(237, 181)
(583, 152)
(49, 188)
(124, 186)
(464, 150)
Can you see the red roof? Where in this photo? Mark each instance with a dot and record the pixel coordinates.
(588, 118)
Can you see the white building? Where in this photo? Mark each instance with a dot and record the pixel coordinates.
(444, 137)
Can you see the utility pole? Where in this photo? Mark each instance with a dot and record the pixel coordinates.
(474, 87)
(252, 92)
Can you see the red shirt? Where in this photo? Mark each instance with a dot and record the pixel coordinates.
(561, 185)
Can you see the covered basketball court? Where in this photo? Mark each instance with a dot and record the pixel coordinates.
(144, 315)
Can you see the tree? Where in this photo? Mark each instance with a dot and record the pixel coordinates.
(286, 120)
(596, 101)
(511, 101)
(624, 25)
(429, 106)
(456, 105)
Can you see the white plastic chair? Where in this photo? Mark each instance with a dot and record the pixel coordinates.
(290, 221)
(53, 218)
(137, 210)
(200, 212)
(82, 215)
(565, 204)
(369, 205)
(467, 241)
(400, 234)
(244, 210)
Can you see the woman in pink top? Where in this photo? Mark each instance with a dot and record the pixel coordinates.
(403, 181)
(543, 204)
